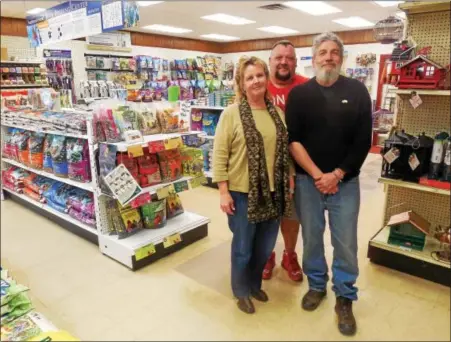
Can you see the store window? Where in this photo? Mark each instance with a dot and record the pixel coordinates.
(409, 71)
(430, 71)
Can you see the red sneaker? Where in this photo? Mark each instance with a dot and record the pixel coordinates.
(291, 264)
(270, 264)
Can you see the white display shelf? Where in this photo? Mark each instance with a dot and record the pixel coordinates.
(153, 189)
(423, 92)
(61, 215)
(416, 186)
(22, 62)
(24, 85)
(29, 128)
(432, 245)
(203, 134)
(123, 146)
(207, 107)
(84, 186)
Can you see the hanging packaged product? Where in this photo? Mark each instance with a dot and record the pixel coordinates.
(169, 119)
(131, 220)
(209, 122)
(196, 120)
(154, 214)
(148, 122)
(78, 160)
(438, 155)
(122, 184)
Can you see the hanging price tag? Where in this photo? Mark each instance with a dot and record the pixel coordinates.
(172, 240)
(135, 151)
(144, 251)
(413, 161)
(141, 200)
(415, 101)
(392, 155)
(156, 146)
(172, 143)
(198, 181)
(181, 186)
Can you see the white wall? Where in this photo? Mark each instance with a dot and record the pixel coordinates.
(350, 62)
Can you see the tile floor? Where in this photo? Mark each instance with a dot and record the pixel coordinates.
(186, 296)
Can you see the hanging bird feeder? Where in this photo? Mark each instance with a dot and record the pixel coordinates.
(388, 31)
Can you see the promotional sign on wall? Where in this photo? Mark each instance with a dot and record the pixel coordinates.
(76, 19)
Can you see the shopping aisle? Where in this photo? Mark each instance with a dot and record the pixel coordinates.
(186, 296)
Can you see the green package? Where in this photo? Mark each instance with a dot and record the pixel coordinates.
(21, 329)
(9, 289)
(18, 306)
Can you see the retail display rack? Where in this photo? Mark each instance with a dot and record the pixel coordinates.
(428, 25)
(138, 250)
(23, 74)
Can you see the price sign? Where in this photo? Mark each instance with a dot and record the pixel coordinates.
(172, 240)
(172, 143)
(165, 191)
(135, 151)
(181, 186)
(144, 251)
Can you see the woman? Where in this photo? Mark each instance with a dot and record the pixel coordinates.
(251, 167)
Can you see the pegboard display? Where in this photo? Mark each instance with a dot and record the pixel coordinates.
(432, 29)
(433, 207)
(431, 117)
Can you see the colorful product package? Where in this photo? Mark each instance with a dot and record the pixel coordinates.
(38, 184)
(209, 122)
(36, 148)
(107, 163)
(22, 146)
(149, 169)
(18, 306)
(30, 193)
(192, 162)
(169, 120)
(148, 122)
(82, 201)
(47, 155)
(78, 160)
(131, 220)
(154, 214)
(82, 217)
(10, 289)
(174, 205)
(21, 329)
(7, 148)
(170, 164)
(130, 163)
(196, 120)
(112, 132)
(15, 176)
(59, 156)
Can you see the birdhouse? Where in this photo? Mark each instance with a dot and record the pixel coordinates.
(421, 73)
(409, 230)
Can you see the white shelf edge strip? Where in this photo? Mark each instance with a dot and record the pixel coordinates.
(207, 107)
(72, 135)
(85, 186)
(65, 217)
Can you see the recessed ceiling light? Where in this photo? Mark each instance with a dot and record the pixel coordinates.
(278, 30)
(388, 3)
(353, 22)
(219, 36)
(228, 19)
(36, 10)
(401, 14)
(147, 3)
(167, 29)
(312, 7)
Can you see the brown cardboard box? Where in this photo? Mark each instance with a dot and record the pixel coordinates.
(4, 53)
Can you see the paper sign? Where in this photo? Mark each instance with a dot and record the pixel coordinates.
(165, 191)
(181, 186)
(156, 146)
(172, 143)
(133, 136)
(122, 184)
(172, 240)
(135, 151)
(145, 251)
(413, 161)
(198, 181)
(141, 200)
(415, 101)
(392, 155)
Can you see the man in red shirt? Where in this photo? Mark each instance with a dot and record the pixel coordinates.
(283, 78)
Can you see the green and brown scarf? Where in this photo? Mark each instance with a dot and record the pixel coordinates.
(262, 205)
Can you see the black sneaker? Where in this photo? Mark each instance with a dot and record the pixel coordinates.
(346, 320)
(312, 299)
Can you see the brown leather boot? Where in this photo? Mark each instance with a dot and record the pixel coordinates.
(346, 321)
(245, 304)
(260, 295)
(312, 299)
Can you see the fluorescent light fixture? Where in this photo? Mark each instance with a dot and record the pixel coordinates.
(401, 14)
(166, 29)
(388, 3)
(353, 22)
(312, 7)
(277, 30)
(228, 19)
(36, 10)
(147, 3)
(216, 36)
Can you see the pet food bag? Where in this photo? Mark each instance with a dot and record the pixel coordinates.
(47, 155)
(78, 160)
(59, 156)
(36, 148)
(22, 146)
(154, 214)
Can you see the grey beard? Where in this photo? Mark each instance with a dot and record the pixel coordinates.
(327, 76)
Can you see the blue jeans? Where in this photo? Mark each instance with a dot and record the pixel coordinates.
(343, 210)
(252, 245)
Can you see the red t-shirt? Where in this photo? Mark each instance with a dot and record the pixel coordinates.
(280, 95)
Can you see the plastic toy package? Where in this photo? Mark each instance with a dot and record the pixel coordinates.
(170, 164)
(78, 159)
(154, 214)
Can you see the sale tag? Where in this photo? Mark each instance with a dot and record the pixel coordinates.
(198, 181)
(172, 240)
(135, 151)
(413, 161)
(141, 200)
(392, 155)
(172, 143)
(415, 101)
(181, 186)
(144, 251)
(165, 191)
(156, 146)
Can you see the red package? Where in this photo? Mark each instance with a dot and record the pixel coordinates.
(130, 163)
(170, 164)
(149, 169)
(30, 193)
(22, 144)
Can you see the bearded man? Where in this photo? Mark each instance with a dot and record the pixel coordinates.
(329, 126)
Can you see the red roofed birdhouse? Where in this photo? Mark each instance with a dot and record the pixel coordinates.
(422, 73)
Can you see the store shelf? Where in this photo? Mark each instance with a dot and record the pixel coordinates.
(23, 86)
(54, 212)
(72, 135)
(22, 62)
(207, 107)
(423, 92)
(190, 226)
(84, 186)
(203, 134)
(425, 7)
(109, 70)
(122, 146)
(415, 186)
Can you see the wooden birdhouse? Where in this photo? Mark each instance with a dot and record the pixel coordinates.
(421, 73)
(408, 230)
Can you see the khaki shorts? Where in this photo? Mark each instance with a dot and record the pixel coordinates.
(293, 215)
